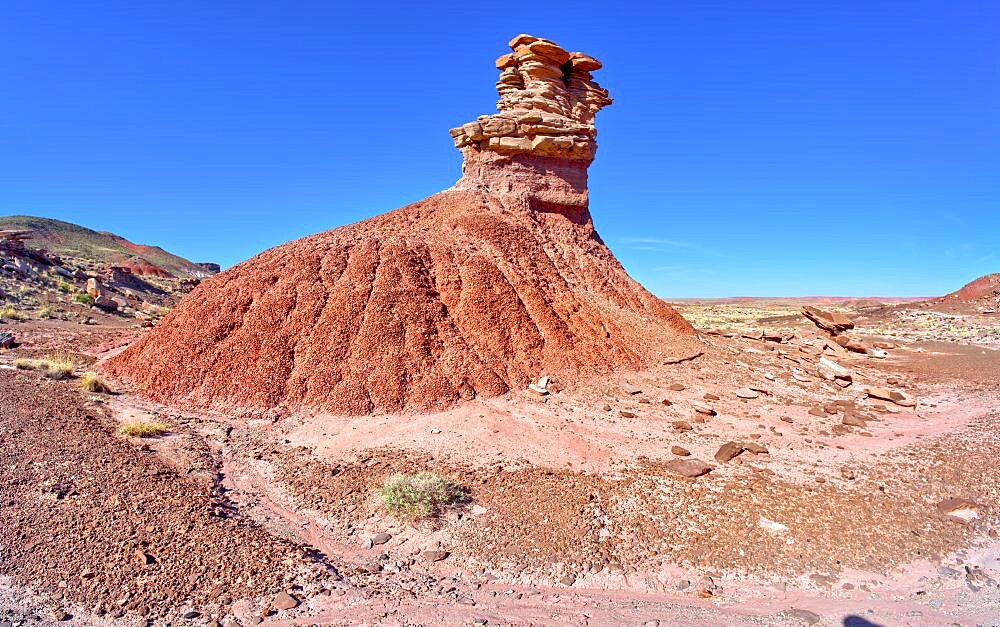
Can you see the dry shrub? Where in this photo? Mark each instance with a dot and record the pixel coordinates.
(93, 383)
(420, 495)
(52, 366)
(142, 428)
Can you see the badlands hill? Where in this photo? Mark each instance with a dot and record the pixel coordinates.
(469, 293)
(101, 248)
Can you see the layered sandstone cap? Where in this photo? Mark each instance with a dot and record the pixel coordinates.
(547, 104)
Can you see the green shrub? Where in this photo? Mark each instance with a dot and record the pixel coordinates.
(46, 312)
(64, 287)
(84, 299)
(420, 495)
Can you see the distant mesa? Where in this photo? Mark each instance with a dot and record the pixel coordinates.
(471, 292)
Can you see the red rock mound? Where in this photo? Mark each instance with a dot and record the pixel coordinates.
(141, 267)
(979, 296)
(470, 292)
(984, 287)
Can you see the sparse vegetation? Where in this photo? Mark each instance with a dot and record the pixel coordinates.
(52, 366)
(84, 299)
(143, 428)
(420, 495)
(9, 313)
(46, 312)
(64, 287)
(91, 382)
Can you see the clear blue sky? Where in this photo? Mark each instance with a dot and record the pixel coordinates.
(754, 148)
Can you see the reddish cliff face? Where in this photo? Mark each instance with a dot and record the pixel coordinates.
(470, 292)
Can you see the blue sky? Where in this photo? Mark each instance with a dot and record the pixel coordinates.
(754, 148)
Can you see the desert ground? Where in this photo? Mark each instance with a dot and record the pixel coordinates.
(835, 507)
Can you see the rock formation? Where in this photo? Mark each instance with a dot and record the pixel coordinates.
(473, 291)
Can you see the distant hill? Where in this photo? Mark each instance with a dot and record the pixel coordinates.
(71, 240)
(983, 294)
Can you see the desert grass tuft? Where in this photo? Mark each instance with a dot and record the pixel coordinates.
(9, 313)
(84, 299)
(91, 382)
(420, 495)
(142, 428)
(52, 366)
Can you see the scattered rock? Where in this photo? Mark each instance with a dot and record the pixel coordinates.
(851, 344)
(771, 526)
(285, 601)
(703, 408)
(688, 467)
(728, 451)
(809, 618)
(890, 395)
(682, 425)
(746, 393)
(144, 559)
(380, 538)
(853, 421)
(710, 397)
(626, 414)
(434, 556)
(628, 388)
(959, 509)
(568, 580)
(535, 389)
(756, 449)
(680, 451)
(676, 387)
(831, 370)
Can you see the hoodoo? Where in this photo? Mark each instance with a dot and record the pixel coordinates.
(471, 292)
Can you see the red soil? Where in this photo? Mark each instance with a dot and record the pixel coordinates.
(470, 292)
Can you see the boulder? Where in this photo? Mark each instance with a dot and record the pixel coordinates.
(95, 289)
(688, 467)
(285, 601)
(890, 395)
(729, 451)
(853, 421)
(106, 303)
(852, 344)
(832, 322)
(831, 370)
